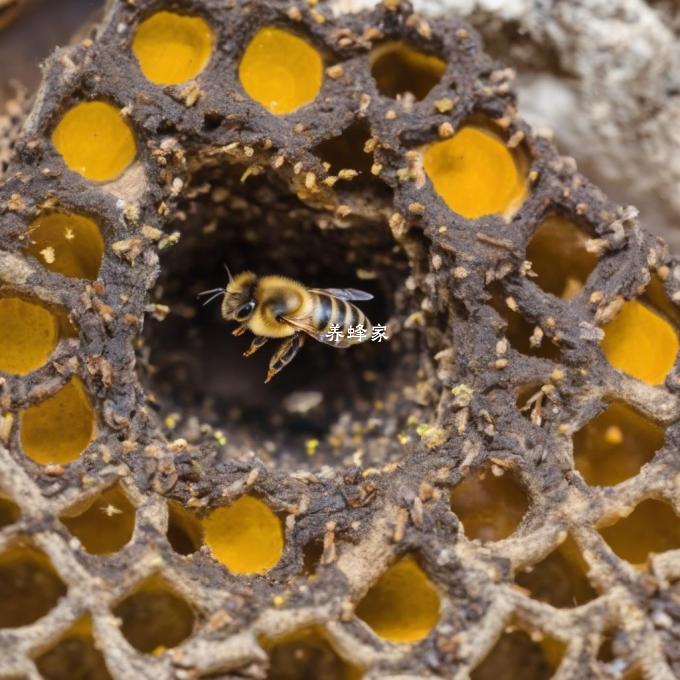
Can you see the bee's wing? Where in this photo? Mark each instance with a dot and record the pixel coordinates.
(305, 325)
(345, 293)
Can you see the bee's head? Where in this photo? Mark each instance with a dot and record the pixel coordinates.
(239, 300)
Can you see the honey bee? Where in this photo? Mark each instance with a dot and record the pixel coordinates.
(279, 307)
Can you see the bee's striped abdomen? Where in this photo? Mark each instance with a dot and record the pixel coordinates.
(330, 311)
(324, 310)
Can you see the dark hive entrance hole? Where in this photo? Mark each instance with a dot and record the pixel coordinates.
(327, 397)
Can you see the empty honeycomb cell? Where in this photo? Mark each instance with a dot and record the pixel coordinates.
(74, 656)
(347, 151)
(652, 527)
(185, 533)
(475, 173)
(403, 605)
(280, 70)
(534, 402)
(520, 333)
(29, 587)
(28, 335)
(67, 243)
(154, 618)
(60, 428)
(245, 536)
(560, 578)
(307, 655)
(172, 48)
(614, 446)
(103, 524)
(398, 69)
(489, 505)
(9, 512)
(517, 655)
(640, 342)
(95, 141)
(558, 255)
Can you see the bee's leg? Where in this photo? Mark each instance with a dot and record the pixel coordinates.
(240, 330)
(257, 342)
(285, 354)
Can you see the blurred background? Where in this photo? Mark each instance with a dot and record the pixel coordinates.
(30, 30)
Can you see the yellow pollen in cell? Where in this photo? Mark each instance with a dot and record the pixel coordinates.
(280, 71)
(403, 606)
(28, 335)
(58, 429)
(245, 536)
(475, 173)
(95, 141)
(172, 48)
(641, 343)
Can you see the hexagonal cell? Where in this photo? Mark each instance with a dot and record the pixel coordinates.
(103, 524)
(613, 446)
(172, 48)
(652, 527)
(558, 255)
(154, 618)
(280, 70)
(9, 511)
(185, 533)
(520, 655)
(245, 536)
(29, 587)
(521, 334)
(28, 335)
(67, 243)
(640, 342)
(95, 141)
(402, 605)
(74, 656)
(307, 654)
(60, 428)
(347, 151)
(475, 173)
(534, 402)
(560, 578)
(490, 503)
(398, 69)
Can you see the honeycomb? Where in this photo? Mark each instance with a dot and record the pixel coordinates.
(492, 493)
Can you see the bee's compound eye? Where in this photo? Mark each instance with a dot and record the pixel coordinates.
(244, 311)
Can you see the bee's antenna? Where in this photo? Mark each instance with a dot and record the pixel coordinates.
(214, 293)
(231, 278)
(219, 292)
(209, 292)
